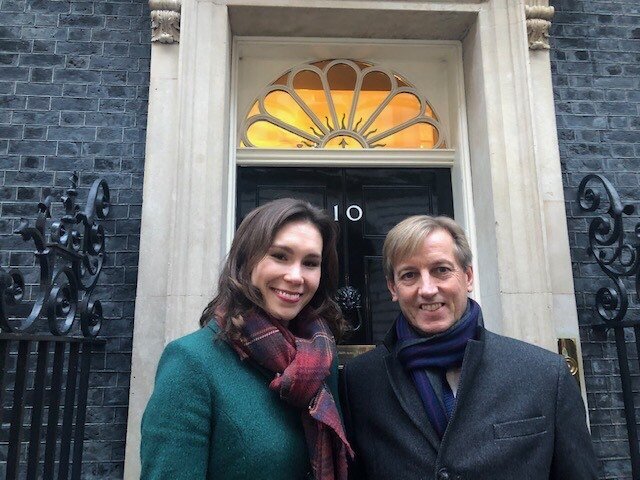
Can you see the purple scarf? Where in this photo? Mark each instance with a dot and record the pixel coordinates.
(442, 351)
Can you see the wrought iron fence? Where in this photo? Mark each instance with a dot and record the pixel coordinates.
(618, 256)
(46, 376)
(65, 400)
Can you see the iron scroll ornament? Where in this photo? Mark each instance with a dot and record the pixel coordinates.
(70, 264)
(617, 258)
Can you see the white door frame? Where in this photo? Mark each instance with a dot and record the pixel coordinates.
(409, 58)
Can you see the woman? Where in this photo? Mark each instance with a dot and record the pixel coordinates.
(253, 394)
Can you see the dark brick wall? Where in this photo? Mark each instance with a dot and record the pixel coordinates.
(73, 95)
(74, 79)
(596, 77)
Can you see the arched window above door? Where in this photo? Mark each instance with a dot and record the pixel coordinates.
(341, 104)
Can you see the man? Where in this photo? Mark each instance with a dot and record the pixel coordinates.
(444, 399)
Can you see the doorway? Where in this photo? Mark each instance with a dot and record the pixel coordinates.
(366, 203)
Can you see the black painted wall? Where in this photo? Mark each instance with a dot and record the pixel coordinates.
(596, 76)
(74, 79)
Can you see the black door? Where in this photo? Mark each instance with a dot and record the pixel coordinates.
(367, 202)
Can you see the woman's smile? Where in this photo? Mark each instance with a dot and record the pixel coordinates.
(289, 274)
(286, 296)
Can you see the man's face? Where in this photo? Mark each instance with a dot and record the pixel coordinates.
(430, 286)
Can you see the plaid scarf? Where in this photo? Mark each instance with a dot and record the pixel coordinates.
(301, 358)
(442, 351)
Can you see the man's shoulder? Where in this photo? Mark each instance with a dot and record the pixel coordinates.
(365, 373)
(496, 346)
(368, 360)
(499, 345)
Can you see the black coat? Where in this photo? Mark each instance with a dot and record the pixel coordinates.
(518, 416)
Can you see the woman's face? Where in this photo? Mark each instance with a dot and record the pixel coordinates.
(289, 274)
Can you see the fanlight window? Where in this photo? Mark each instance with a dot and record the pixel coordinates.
(341, 104)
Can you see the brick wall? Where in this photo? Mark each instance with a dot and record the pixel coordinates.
(73, 94)
(74, 79)
(596, 77)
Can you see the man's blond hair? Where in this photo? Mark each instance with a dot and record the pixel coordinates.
(404, 239)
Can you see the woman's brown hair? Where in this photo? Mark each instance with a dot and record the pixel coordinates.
(237, 295)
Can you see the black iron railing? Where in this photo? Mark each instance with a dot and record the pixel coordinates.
(52, 374)
(618, 255)
(44, 378)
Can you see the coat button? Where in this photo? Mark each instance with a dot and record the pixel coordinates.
(443, 474)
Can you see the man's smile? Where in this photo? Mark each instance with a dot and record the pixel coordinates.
(431, 307)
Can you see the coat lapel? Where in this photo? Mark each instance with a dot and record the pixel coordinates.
(407, 395)
(470, 364)
(409, 399)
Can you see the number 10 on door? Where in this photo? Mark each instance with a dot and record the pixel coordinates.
(353, 213)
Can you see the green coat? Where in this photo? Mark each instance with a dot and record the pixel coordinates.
(212, 416)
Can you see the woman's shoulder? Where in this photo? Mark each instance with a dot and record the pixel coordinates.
(202, 345)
